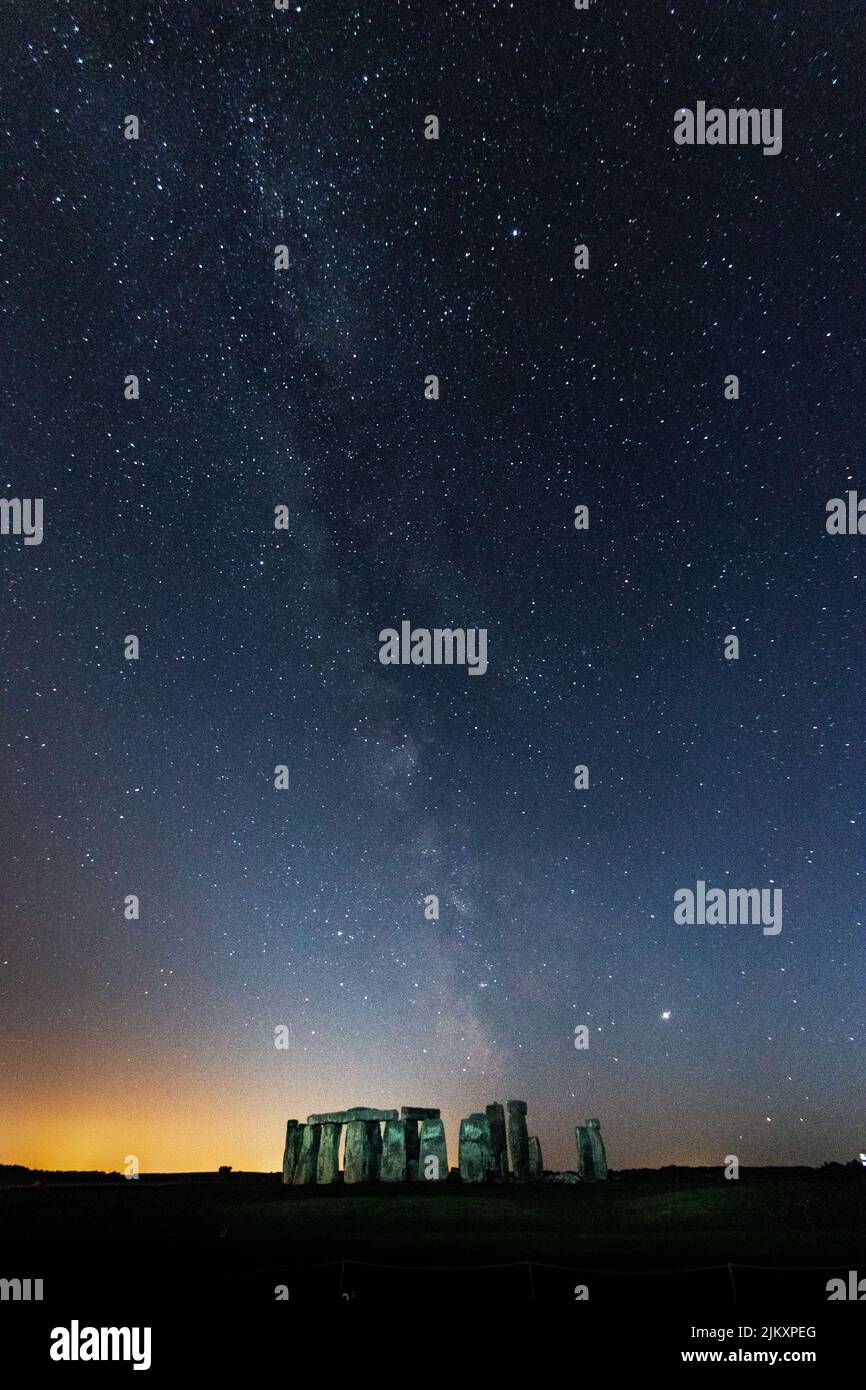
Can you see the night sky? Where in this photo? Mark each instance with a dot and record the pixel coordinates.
(259, 647)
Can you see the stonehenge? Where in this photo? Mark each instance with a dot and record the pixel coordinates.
(384, 1146)
(311, 1155)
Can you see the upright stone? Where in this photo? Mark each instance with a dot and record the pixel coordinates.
(584, 1157)
(394, 1158)
(308, 1158)
(591, 1157)
(475, 1153)
(536, 1166)
(374, 1139)
(363, 1151)
(518, 1139)
(413, 1148)
(596, 1147)
(328, 1167)
(496, 1121)
(294, 1135)
(433, 1155)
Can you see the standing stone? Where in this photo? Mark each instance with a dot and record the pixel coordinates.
(591, 1157)
(394, 1157)
(294, 1135)
(328, 1167)
(374, 1140)
(496, 1121)
(308, 1158)
(413, 1148)
(536, 1167)
(432, 1147)
(355, 1161)
(518, 1139)
(475, 1150)
(596, 1145)
(363, 1151)
(584, 1157)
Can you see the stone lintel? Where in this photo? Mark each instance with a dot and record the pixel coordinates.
(347, 1117)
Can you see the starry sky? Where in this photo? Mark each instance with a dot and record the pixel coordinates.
(305, 388)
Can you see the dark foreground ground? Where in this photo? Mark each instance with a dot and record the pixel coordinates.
(245, 1236)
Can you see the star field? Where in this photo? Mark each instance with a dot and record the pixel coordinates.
(305, 387)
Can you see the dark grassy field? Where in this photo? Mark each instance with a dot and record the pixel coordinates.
(247, 1234)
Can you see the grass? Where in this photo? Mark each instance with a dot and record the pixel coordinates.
(247, 1224)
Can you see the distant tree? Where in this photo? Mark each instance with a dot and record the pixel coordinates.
(225, 1169)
